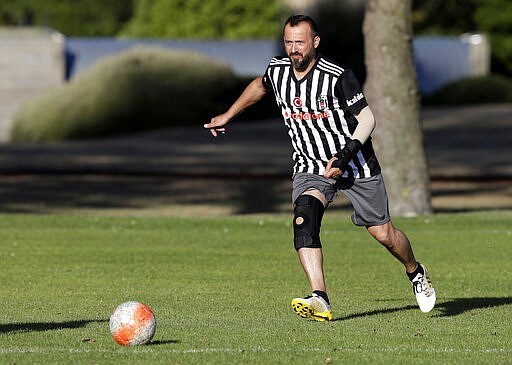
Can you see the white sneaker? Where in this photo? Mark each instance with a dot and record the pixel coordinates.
(313, 306)
(425, 293)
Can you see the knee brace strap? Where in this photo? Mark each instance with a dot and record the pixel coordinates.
(308, 213)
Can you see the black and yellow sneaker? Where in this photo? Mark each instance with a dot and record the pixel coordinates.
(313, 306)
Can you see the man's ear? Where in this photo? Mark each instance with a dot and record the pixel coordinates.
(316, 41)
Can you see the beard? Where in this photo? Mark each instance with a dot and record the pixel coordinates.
(302, 64)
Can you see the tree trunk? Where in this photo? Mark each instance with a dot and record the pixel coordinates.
(392, 93)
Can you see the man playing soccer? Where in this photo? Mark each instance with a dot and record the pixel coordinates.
(329, 123)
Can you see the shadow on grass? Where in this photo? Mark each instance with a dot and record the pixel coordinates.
(163, 342)
(458, 306)
(46, 326)
(449, 308)
(375, 312)
(55, 326)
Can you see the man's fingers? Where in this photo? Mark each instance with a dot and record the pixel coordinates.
(215, 130)
(332, 173)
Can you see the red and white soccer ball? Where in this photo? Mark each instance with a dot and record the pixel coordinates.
(132, 323)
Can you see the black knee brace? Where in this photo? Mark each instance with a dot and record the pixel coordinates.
(308, 213)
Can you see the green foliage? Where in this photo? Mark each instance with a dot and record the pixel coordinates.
(227, 19)
(70, 17)
(476, 90)
(220, 289)
(494, 17)
(140, 89)
(442, 17)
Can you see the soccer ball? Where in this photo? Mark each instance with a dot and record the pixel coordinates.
(132, 323)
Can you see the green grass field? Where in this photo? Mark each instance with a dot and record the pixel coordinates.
(221, 287)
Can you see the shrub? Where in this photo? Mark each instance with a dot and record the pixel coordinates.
(477, 90)
(144, 88)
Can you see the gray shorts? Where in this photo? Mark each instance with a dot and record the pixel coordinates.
(368, 196)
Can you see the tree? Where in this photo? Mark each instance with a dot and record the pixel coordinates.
(392, 91)
(70, 17)
(443, 17)
(205, 19)
(495, 18)
(454, 17)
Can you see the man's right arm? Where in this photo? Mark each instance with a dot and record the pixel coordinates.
(253, 93)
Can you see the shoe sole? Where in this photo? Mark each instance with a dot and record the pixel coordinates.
(304, 310)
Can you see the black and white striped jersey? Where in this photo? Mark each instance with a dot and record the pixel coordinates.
(319, 112)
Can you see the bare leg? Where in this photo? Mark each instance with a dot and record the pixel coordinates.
(312, 263)
(396, 242)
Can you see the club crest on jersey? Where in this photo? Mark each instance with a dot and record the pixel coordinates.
(321, 102)
(297, 102)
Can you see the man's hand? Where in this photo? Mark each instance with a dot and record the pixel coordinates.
(216, 124)
(341, 160)
(253, 93)
(332, 172)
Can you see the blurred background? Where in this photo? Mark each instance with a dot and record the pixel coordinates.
(102, 102)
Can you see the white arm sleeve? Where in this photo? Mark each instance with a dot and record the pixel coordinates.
(366, 125)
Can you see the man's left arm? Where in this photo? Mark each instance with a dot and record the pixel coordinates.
(365, 126)
(350, 93)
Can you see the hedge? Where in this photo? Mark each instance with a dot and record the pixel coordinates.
(476, 90)
(140, 89)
